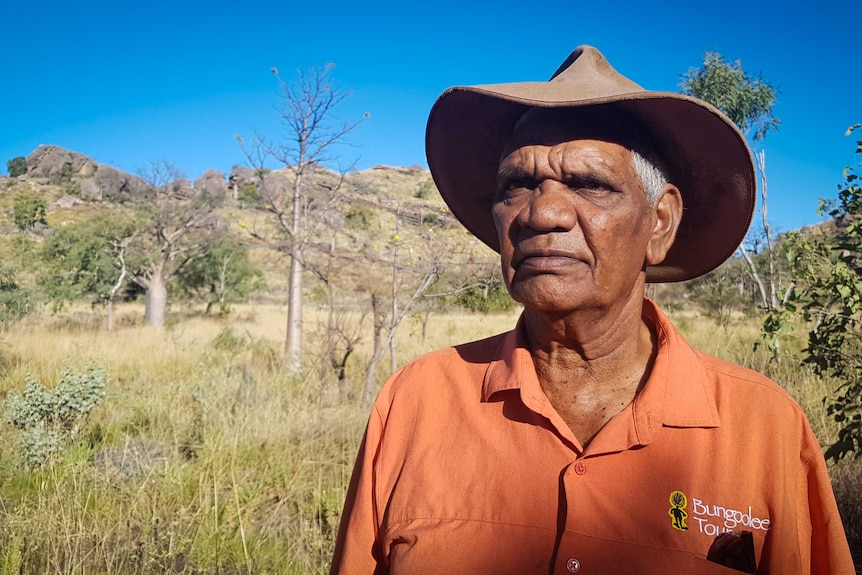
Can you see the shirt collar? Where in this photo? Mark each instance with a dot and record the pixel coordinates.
(675, 395)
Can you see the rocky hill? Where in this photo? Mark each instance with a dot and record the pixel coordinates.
(373, 206)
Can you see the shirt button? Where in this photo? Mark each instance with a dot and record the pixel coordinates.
(580, 469)
(573, 565)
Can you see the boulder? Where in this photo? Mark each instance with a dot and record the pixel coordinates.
(58, 164)
(113, 183)
(90, 190)
(211, 183)
(65, 203)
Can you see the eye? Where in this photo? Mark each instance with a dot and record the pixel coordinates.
(590, 186)
(514, 186)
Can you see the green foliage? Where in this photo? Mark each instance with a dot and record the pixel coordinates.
(17, 166)
(424, 190)
(15, 300)
(247, 194)
(229, 342)
(223, 275)
(718, 292)
(28, 211)
(358, 218)
(493, 299)
(432, 220)
(828, 294)
(746, 99)
(83, 260)
(48, 420)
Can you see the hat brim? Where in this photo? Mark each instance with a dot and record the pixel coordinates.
(703, 153)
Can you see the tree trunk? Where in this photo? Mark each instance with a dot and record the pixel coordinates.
(755, 275)
(156, 301)
(293, 339)
(110, 308)
(770, 254)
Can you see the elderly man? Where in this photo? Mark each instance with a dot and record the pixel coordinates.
(591, 438)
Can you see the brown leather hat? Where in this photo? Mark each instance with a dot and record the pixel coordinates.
(701, 151)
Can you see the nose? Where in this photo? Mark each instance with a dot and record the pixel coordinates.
(551, 208)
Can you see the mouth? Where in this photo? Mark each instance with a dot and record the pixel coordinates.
(546, 260)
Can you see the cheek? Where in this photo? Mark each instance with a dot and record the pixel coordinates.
(599, 221)
(503, 223)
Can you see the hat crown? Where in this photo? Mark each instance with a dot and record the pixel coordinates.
(587, 68)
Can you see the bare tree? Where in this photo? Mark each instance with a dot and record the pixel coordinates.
(310, 134)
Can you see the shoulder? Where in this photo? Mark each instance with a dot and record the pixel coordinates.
(750, 402)
(746, 381)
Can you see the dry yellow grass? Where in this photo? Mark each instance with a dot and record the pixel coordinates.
(208, 458)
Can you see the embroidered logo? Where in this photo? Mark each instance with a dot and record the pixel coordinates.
(677, 512)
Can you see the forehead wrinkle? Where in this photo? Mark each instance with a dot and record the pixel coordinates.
(518, 162)
(584, 157)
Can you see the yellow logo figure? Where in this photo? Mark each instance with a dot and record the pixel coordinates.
(678, 503)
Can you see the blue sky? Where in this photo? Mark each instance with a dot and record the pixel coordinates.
(132, 82)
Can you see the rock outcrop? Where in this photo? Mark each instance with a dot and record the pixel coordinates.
(58, 164)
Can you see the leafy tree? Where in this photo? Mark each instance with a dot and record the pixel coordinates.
(87, 260)
(745, 98)
(748, 100)
(223, 275)
(827, 269)
(17, 166)
(29, 210)
(15, 301)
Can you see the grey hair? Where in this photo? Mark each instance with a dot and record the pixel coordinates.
(651, 176)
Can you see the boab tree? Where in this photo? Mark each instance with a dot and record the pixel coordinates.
(179, 225)
(309, 193)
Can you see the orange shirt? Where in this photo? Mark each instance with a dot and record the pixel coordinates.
(466, 468)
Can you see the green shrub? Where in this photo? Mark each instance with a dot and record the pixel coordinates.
(48, 420)
(15, 300)
(424, 190)
(28, 211)
(358, 218)
(228, 341)
(476, 299)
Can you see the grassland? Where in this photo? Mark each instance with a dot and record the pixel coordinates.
(207, 458)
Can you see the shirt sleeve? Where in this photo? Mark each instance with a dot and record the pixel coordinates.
(357, 549)
(828, 552)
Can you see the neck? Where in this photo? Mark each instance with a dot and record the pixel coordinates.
(590, 336)
(591, 363)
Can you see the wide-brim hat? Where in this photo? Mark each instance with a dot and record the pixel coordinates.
(701, 151)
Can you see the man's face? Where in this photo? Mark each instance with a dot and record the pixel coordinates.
(572, 217)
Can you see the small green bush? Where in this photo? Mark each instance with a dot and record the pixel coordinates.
(15, 300)
(424, 190)
(478, 300)
(28, 211)
(358, 218)
(48, 419)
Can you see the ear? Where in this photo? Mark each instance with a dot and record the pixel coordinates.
(668, 212)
